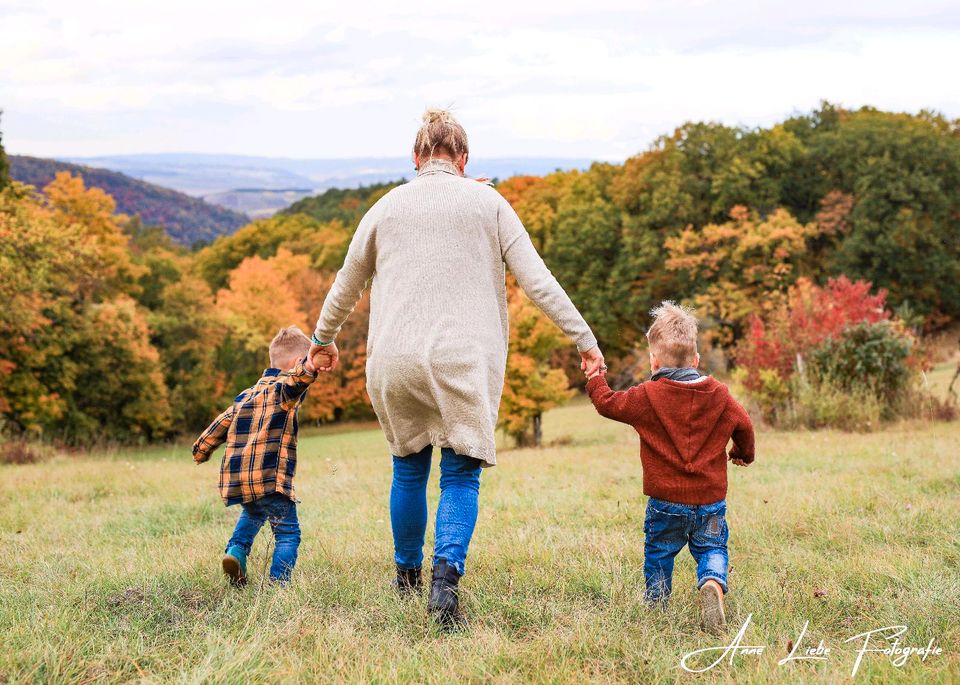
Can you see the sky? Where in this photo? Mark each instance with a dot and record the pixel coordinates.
(598, 79)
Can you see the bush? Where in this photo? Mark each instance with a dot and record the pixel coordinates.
(866, 355)
(810, 316)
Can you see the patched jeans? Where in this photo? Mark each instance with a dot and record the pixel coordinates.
(456, 511)
(667, 528)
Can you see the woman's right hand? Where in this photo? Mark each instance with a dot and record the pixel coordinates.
(591, 362)
(324, 357)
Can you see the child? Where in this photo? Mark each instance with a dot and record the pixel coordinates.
(684, 421)
(257, 470)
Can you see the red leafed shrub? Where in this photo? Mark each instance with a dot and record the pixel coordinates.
(810, 316)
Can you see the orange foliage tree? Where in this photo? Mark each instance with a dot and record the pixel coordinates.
(530, 386)
(341, 394)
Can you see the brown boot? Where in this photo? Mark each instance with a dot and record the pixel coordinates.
(712, 618)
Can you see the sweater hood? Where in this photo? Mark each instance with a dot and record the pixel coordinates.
(704, 403)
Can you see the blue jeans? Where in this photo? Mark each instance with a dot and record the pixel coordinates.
(281, 512)
(668, 527)
(456, 512)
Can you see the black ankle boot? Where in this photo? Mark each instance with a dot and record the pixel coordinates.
(408, 581)
(444, 602)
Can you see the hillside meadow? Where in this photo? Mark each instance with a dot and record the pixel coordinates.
(110, 571)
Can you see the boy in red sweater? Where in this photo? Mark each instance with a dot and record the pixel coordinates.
(684, 421)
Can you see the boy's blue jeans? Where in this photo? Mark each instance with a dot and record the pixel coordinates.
(456, 512)
(668, 527)
(281, 512)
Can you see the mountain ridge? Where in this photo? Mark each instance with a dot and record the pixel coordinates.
(186, 219)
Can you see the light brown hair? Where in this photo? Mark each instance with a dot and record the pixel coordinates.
(440, 133)
(673, 335)
(289, 343)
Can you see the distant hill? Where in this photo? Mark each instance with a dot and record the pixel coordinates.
(186, 219)
(345, 205)
(260, 186)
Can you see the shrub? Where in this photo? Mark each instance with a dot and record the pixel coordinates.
(810, 316)
(866, 356)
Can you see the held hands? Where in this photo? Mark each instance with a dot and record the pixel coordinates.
(324, 357)
(591, 362)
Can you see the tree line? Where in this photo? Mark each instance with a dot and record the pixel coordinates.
(110, 330)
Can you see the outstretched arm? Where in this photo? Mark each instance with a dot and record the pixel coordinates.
(625, 406)
(542, 287)
(295, 383)
(347, 288)
(213, 436)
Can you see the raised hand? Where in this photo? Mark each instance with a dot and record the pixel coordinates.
(324, 357)
(591, 362)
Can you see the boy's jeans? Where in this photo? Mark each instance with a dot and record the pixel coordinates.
(456, 512)
(281, 512)
(668, 527)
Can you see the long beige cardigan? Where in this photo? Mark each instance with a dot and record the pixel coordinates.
(437, 348)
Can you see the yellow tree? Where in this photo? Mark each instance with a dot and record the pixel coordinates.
(742, 267)
(261, 299)
(91, 211)
(530, 387)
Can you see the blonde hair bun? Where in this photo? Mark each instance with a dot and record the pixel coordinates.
(440, 133)
(441, 115)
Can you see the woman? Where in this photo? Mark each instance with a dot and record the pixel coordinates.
(437, 348)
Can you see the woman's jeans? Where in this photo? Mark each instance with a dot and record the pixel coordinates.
(456, 513)
(668, 527)
(281, 512)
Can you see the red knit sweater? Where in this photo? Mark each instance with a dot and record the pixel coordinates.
(684, 429)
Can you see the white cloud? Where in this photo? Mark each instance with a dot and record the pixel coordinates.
(333, 79)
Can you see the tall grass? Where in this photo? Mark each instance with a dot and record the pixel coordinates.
(110, 570)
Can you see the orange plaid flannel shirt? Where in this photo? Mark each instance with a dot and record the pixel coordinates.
(260, 429)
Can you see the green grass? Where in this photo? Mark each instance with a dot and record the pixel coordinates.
(110, 566)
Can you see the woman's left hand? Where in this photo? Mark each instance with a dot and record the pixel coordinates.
(591, 361)
(324, 357)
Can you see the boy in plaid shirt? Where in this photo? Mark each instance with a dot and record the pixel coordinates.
(260, 429)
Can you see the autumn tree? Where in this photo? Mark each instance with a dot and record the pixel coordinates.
(530, 386)
(741, 267)
(77, 362)
(324, 242)
(91, 211)
(342, 394)
(536, 200)
(190, 332)
(257, 303)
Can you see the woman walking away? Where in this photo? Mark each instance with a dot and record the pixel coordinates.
(437, 348)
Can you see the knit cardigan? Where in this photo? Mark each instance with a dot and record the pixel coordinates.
(435, 249)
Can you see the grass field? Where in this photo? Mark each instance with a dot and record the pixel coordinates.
(110, 567)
